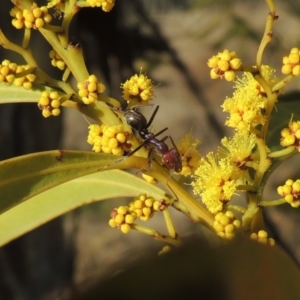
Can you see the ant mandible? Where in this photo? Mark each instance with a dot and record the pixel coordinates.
(170, 157)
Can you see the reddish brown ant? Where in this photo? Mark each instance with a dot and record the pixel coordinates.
(170, 157)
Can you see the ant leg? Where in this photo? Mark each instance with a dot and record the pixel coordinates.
(168, 136)
(152, 117)
(162, 140)
(160, 132)
(150, 157)
(173, 143)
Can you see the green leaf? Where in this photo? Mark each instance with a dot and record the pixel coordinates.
(26, 176)
(17, 94)
(68, 196)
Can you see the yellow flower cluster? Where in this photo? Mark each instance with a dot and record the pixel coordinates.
(35, 17)
(215, 181)
(145, 206)
(290, 192)
(56, 60)
(239, 150)
(291, 136)
(224, 65)
(291, 63)
(246, 105)
(122, 218)
(226, 224)
(9, 75)
(106, 5)
(142, 207)
(138, 88)
(189, 154)
(49, 104)
(262, 237)
(90, 89)
(109, 139)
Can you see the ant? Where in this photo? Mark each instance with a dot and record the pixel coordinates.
(170, 157)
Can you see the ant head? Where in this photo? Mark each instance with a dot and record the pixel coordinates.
(172, 160)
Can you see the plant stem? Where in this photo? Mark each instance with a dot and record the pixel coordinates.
(282, 152)
(268, 34)
(276, 202)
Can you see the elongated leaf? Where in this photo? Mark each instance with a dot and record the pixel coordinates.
(15, 94)
(26, 176)
(68, 196)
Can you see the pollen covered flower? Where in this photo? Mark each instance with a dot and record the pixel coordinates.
(214, 181)
(262, 237)
(35, 17)
(291, 136)
(290, 191)
(226, 224)
(138, 88)
(224, 65)
(106, 5)
(246, 105)
(291, 63)
(90, 89)
(239, 150)
(189, 154)
(109, 139)
(49, 103)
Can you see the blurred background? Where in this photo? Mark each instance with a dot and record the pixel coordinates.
(171, 41)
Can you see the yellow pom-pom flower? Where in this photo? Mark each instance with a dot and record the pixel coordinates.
(122, 218)
(248, 102)
(7, 72)
(35, 17)
(90, 89)
(214, 181)
(239, 150)
(109, 139)
(226, 224)
(49, 103)
(145, 206)
(262, 237)
(291, 136)
(189, 154)
(138, 88)
(291, 63)
(224, 65)
(290, 191)
(9, 75)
